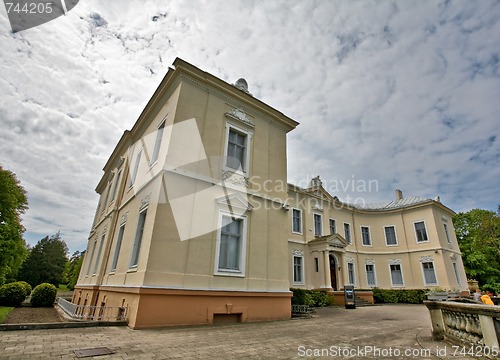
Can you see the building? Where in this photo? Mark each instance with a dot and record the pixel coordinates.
(196, 223)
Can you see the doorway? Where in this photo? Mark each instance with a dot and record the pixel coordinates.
(333, 272)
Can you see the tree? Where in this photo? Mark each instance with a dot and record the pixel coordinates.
(45, 262)
(13, 203)
(478, 234)
(72, 269)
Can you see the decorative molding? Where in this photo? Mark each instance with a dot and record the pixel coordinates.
(235, 178)
(316, 206)
(369, 262)
(145, 201)
(235, 201)
(349, 259)
(240, 115)
(394, 261)
(426, 258)
(124, 218)
(453, 256)
(297, 252)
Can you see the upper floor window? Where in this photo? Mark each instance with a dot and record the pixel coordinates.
(420, 231)
(317, 225)
(237, 148)
(448, 239)
(365, 236)
(96, 264)
(116, 184)
(138, 239)
(117, 247)
(136, 167)
(333, 226)
(159, 138)
(297, 221)
(390, 236)
(347, 232)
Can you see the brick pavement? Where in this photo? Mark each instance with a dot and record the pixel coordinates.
(391, 330)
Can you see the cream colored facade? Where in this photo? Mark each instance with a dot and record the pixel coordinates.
(407, 243)
(195, 219)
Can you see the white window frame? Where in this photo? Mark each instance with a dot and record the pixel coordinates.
(330, 220)
(349, 240)
(301, 280)
(89, 264)
(248, 145)
(138, 240)
(374, 275)
(243, 246)
(135, 170)
(457, 275)
(300, 221)
(320, 224)
(118, 245)
(96, 263)
(353, 282)
(447, 233)
(160, 131)
(116, 183)
(106, 198)
(416, 234)
(395, 235)
(369, 236)
(423, 273)
(402, 276)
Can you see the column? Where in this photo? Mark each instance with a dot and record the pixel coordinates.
(328, 280)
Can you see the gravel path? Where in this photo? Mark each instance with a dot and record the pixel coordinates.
(25, 314)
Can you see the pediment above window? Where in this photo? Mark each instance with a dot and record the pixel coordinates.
(235, 201)
(241, 116)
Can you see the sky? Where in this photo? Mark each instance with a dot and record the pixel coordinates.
(388, 94)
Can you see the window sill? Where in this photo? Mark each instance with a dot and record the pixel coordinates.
(132, 269)
(229, 273)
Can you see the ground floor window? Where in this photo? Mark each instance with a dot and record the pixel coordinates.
(456, 273)
(429, 273)
(298, 269)
(370, 274)
(396, 275)
(350, 273)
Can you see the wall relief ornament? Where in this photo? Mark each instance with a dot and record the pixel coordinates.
(240, 115)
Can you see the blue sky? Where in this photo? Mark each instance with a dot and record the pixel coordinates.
(402, 94)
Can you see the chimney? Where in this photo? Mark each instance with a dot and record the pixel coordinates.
(399, 194)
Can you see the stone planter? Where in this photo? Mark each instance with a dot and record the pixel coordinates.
(437, 296)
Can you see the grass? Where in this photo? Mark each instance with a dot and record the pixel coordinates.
(63, 288)
(4, 311)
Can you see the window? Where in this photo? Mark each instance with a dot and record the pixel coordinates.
(159, 137)
(91, 257)
(365, 236)
(447, 233)
(333, 226)
(347, 232)
(350, 273)
(429, 274)
(317, 225)
(117, 247)
(316, 264)
(136, 167)
(457, 276)
(138, 239)
(236, 150)
(96, 264)
(297, 221)
(370, 274)
(390, 236)
(231, 245)
(396, 275)
(105, 204)
(115, 186)
(298, 269)
(421, 232)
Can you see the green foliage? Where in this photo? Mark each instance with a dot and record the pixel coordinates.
(45, 262)
(27, 287)
(406, 296)
(478, 234)
(4, 311)
(12, 294)
(13, 203)
(316, 298)
(44, 295)
(72, 270)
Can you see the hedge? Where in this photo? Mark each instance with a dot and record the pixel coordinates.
(44, 295)
(13, 294)
(406, 296)
(315, 298)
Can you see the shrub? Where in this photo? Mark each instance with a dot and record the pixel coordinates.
(407, 296)
(26, 287)
(12, 294)
(316, 298)
(44, 295)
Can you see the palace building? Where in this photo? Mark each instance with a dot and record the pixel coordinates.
(195, 226)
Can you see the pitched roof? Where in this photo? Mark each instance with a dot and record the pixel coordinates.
(394, 204)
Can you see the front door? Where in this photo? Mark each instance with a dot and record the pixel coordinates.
(333, 272)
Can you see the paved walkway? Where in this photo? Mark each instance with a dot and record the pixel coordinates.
(377, 332)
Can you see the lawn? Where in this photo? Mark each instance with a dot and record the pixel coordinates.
(4, 311)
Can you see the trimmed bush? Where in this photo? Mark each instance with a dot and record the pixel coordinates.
(316, 298)
(26, 287)
(44, 295)
(12, 294)
(405, 296)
